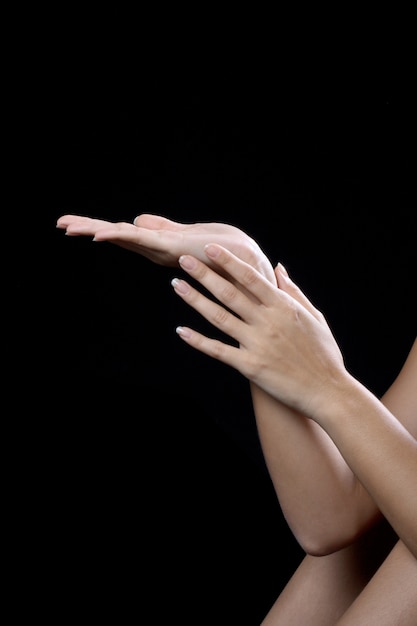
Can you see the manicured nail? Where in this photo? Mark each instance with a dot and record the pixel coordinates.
(187, 262)
(185, 333)
(180, 285)
(212, 251)
(282, 269)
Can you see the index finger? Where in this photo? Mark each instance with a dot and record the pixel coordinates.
(244, 274)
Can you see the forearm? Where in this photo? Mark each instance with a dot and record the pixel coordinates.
(321, 497)
(380, 451)
(286, 348)
(326, 503)
(323, 502)
(347, 588)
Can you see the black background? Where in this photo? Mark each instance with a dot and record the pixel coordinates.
(150, 490)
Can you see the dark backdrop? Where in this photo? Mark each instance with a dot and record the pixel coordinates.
(151, 492)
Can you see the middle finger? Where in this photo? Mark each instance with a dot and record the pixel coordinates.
(221, 288)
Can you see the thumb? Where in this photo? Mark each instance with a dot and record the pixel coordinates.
(155, 222)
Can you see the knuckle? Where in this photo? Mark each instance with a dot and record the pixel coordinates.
(200, 271)
(249, 277)
(228, 293)
(217, 350)
(252, 367)
(220, 317)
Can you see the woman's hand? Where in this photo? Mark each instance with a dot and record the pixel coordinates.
(163, 241)
(285, 344)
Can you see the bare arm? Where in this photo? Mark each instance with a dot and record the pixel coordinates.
(322, 499)
(324, 503)
(291, 354)
(379, 449)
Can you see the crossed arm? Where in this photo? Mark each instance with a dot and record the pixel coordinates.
(338, 457)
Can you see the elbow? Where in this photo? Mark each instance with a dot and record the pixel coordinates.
(321, 546)
(326, 539)
(331, 530)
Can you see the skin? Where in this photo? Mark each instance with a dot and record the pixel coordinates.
(351, 587)
(317, 425)
(292, 355)
(163, 241)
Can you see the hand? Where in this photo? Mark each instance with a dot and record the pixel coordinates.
(285, 345)
(163, 241)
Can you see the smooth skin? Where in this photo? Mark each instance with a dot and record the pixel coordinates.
(317, 425)
(163, 241)
(278, 343)
(291, 354)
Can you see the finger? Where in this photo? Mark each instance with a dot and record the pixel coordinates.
(286, 284)
(220, 287)
(213, 312)
(102, 230)
(122, 233)
(214, 348)
(160, 246)
(244, 274)
(66, 220)
(81, 225)
(156, 222)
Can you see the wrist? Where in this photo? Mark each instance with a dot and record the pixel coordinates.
(344, 400)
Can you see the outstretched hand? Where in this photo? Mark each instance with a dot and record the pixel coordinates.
(163, 241)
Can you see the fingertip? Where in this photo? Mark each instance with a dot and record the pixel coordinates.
(212, 250)
(282, 270)
(183, 332)
(62, 221)
(281, 274)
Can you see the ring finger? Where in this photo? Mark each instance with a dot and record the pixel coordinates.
(214, 313)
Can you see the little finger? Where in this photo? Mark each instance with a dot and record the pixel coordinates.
(214, 348)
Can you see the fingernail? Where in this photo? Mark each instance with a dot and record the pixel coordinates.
(282, 269)
(187, 262)
(183, 332)
(180, 285)
(211, 251)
